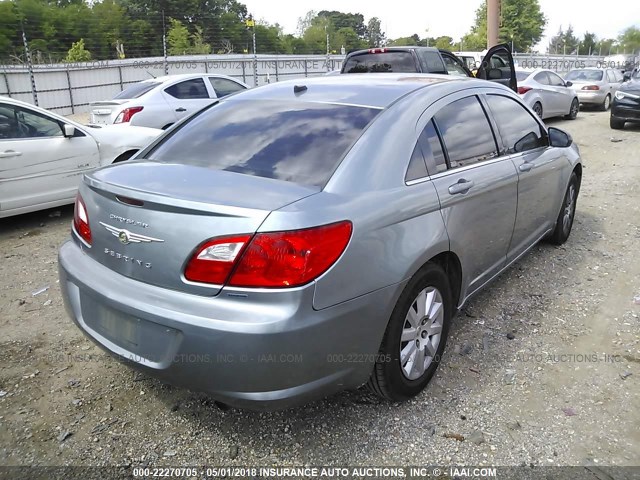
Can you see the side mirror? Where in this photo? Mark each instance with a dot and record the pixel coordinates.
(559, 138)
(494, 74)
(626, 77)
(568, 84)
(69, 130)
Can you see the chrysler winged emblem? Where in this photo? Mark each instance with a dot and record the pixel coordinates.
(126, 237)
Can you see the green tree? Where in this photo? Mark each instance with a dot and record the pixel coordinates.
(200, 47)
(629, 40)
(375, 35)
(588, 44)
(606, 46)
(178, 38)
(77, 53)
(522, 23)
(444, 42)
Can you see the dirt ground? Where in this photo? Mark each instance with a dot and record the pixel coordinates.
(542, 368)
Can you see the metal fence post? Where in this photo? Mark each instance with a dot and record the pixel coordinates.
(244, 72)
(306, 73)
(73, 110)
(6, 82)
(276, 62)
(120, 75)
(34, 90)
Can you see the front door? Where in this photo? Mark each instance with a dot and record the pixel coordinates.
(498, 66)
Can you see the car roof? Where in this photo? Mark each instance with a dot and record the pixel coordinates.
(185, 76)
(398, 48)
(376, 90)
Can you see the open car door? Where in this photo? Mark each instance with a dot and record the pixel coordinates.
(498, 66)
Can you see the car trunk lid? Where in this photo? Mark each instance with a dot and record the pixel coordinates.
(148, 218)
(104, 112)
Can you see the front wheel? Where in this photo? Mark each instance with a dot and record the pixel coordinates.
(415, 338)
(573, 111)
(564, 223)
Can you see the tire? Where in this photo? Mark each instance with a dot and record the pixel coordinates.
(574, 109)
(616, 123)
(564, 222)
(389, 379)
(537, 108)
(606, 104)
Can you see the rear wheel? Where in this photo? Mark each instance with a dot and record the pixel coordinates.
(616, 123)
(537, 108)
(564, 223)
(573, 111)
(415, 338)
(606, 104)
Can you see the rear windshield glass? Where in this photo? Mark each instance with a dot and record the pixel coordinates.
(520, 76)
(297, 142)
(588, 75)
(381, 62)
(136, 90)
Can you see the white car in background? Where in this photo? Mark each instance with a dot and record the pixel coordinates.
(162, 101)
(547, 93)
(43, 155)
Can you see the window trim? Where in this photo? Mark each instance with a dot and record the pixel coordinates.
(184, 80)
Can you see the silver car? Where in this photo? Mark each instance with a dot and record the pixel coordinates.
(595, 86)
(162, 101)
(314, 235)
(548, 94)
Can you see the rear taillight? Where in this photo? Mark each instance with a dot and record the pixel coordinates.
(591, 87)
(213, 261)
(125, 115)
(523, 90)
(81, 220)
(270, 260)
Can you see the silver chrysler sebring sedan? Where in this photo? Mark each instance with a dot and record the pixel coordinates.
(312, 236)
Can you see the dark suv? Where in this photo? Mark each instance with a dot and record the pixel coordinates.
(497, 64)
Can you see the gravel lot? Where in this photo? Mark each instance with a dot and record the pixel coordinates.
(541, 368)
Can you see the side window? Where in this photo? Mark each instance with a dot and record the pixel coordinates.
(431, 61)
(417, 168)
(189, 89)
(555, 80)
(453, 67)
(432, 148)
(224, 87)
(611, 77)
(466, 132)
(619, 76)
(519, 130)
(542, 78)
(18, 122)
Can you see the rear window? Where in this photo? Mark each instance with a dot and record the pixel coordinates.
(402, 62)
(585, 75)
(136, 90)
(296, 142)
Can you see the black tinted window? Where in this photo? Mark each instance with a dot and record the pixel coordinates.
(432, 148)
(453, 67)
(380, 62)
(296, 142)
(224, 87)
(431, 61)
(466, 132)
(188, 89)
(518, 129)
(417, 169)
(136, 90)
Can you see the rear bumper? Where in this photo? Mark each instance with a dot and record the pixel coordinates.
(262, 350)
(591, 97)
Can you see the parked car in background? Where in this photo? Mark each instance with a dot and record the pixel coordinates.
(626, 102)
(472, 60)
(251, 278)
(497, 65)
(595, 86)
(548, 94)
(43, 156)
(162, 101)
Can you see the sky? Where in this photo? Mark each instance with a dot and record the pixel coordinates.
(402, 18)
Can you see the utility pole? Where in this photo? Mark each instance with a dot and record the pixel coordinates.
(164, 45)
(252, 24)
(493, 22)
(328, 48)
(34, 91)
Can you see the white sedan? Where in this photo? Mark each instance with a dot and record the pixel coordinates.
(43, 155)
(162, 101)
(548, 94)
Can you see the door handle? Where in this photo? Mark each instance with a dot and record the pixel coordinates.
(10, 153)
(463, 186)
(181, 109)
(525, 167)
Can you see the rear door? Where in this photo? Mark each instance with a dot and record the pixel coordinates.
(188, 96)
(477, 189)
(38, 165)
(498, 66)
(523, 140)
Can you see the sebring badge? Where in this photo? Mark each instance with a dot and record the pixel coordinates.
(126, 237)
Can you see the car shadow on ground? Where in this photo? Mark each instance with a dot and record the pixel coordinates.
(508, 301)
(32, 222)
